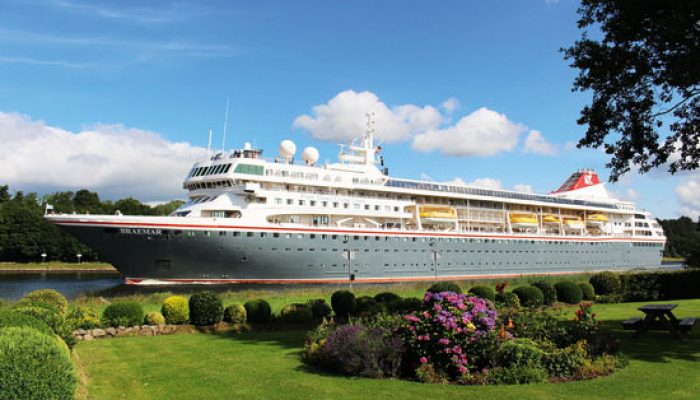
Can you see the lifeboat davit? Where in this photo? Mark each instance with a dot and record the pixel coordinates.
(551, 219)
(433, 212)
(523, 221)
(574, 223)
(596, 220)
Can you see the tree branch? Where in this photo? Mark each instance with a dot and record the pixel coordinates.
(680, 103)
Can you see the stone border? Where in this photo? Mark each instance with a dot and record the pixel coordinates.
(136, 330)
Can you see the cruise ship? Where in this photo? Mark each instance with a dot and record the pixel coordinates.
(250, 219)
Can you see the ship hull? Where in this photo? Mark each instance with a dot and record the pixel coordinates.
(146, 253)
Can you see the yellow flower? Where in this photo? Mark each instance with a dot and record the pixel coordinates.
(471, 326)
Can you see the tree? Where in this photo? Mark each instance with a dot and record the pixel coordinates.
(644, 73)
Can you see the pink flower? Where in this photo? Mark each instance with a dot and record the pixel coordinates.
(423, 360)
(462, 369)
(411, 318)
(444, 341)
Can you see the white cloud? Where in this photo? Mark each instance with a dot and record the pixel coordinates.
(486, 183)
(343, 118)
(523, 188)
(113, 160)
(688, 196)
(450, 104)
(537, 144)
(484, 132)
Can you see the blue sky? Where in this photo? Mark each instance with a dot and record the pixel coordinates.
(105, 94)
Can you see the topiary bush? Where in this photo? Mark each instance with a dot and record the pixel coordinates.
(445, 287)
(587, 290)
(154, 318)
(51, 297)
(206, 308)
(42, 312)
(235, 314)
(508, 300)
(319, 308)
(34, 365)
(296, 313)
(516, 375)
(548, 291)
(485, 292)
(366, 306)
(83, 317)
(568, 292)
(529, 296)
(605, 283)
(123, 313)
(15, 319)
(404, 306)
(386, 297)
(176, 310)
(343, 303)
(520, 352)
(258, 311)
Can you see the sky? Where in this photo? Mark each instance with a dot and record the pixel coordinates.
(118, 97)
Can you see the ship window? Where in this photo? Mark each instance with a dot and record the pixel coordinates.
(301, 202)
(290, 201)
(222, 233)
(249, 234)
(263, 234)
(276, 234)
(206, 233)
(236, 234)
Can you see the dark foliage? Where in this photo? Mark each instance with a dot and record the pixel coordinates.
(682, 237)
(366, 306)
(642, 73)
(548, 291)
(319, 308)
(568, 292)
(485, 292)
(123, 313)
(296, 313)
(605, 283)
(587, 290)
(206, 308)
(529, 296)
(258, 311)
(445, 287)
(386, 297)
(404, 306)
(343, 303)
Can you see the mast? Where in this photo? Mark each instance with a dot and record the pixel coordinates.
(223, 140)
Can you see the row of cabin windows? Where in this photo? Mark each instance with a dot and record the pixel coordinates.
(335, 204)
(210, 170)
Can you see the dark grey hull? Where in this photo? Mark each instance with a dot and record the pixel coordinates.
(288, 256)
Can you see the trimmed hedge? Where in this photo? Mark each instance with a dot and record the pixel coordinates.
(51, 297)
(386, 297)
(297, 313)
(84, 318)
(529, 296)
(485, 292)
(15, 319)
(548, 291)
(568, 292)
(605, 282)
(154, 318)
(367, 306)
(258, 311)
(445, 287)
(343, 303)
(646, 286)
(123, 313)
(319, 308)
(206, 308)
(404, 306)
(587, 290)
(34, 365)
(42, 312)
(176, 310)
(235, 314)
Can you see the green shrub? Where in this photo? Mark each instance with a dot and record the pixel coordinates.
(568, 292)
(605, 282)
(529, 296)
(9, 318)
(386, 297)
(548, 291)
(258, 311)
(154, 318)
(564, 363)
(176, 310)
(34, 365)
(445, 287)
(235, 314)
(42, 312)
(404, 306)
(517, 375)
(508, 299)
(206, 308)
(608, 298)
(366, 306)
(123, 313)
(319, 308)
(296, 313)
(644, 286)
(520, 352)
(485, 292)
(587, 290)
(343, 303)
(84, 318)
(48, 296)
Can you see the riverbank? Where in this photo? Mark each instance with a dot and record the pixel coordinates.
(55, 266)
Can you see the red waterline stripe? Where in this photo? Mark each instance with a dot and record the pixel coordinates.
(262, 228)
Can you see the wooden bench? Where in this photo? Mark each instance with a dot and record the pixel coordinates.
(686, 324)
(632, 323)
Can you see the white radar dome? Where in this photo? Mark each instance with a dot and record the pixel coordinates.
(247, 146)
(287, 149)
(310, 155)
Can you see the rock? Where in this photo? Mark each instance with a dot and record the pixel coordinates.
(145, 326)
(128, 330)
(82, 331)
(146, 332)
(96, 333)
(88, 337)
(136, 328)
(120, 332)
(111, 331)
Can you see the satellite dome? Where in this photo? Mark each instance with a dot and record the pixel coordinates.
(287, 149)
(310, 155)
(247, 146)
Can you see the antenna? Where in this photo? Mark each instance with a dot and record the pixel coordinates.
(223, 140)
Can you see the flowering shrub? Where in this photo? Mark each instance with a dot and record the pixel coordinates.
(442, 333)
(585, 322)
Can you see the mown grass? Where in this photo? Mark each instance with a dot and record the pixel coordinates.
(56, 266)
(267, 365)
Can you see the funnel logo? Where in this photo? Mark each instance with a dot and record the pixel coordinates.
(588, 179)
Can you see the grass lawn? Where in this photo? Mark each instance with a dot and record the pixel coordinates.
(56, 266)
(267, 365)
